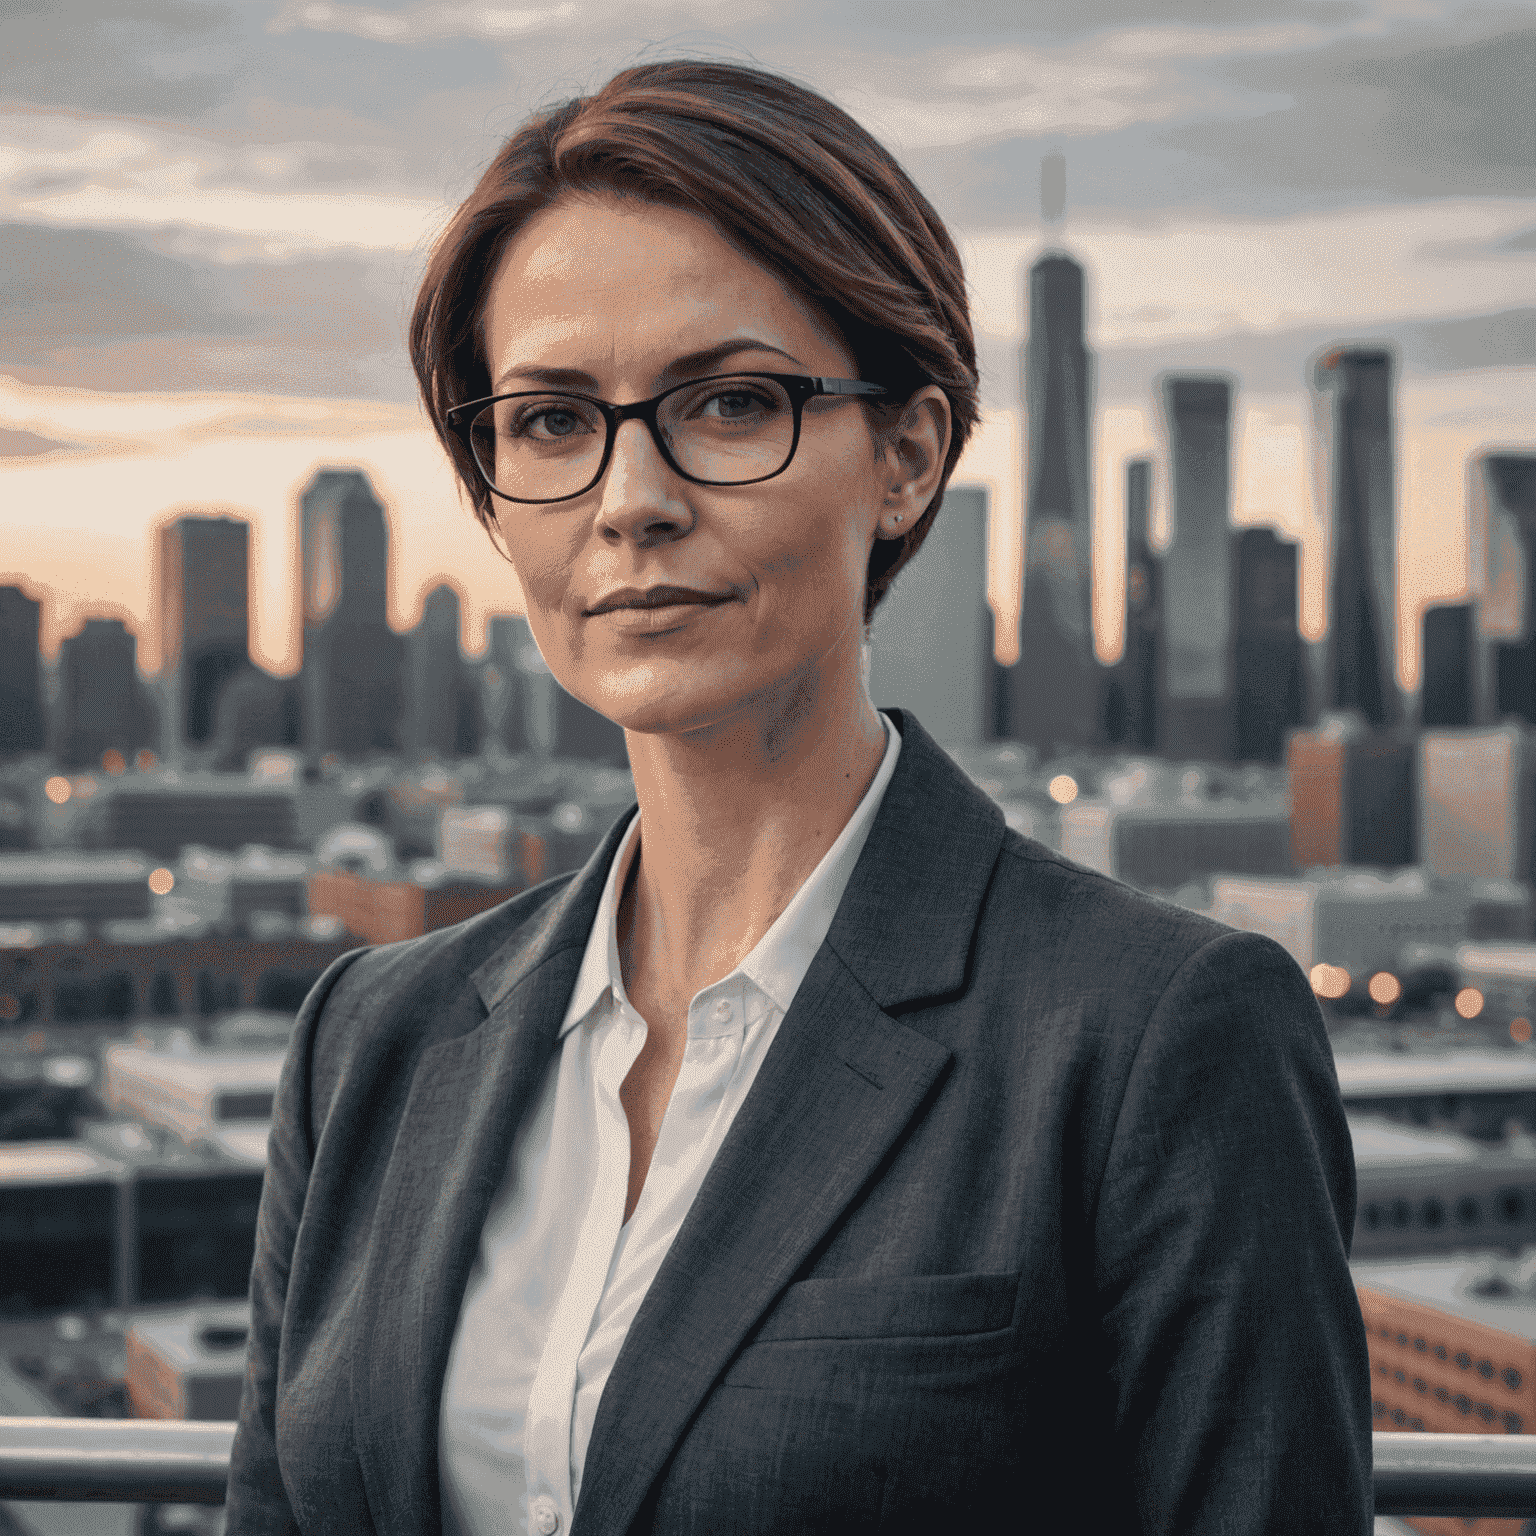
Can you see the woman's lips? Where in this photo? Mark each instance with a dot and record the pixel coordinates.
(655, 620)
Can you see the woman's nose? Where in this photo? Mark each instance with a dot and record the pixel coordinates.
(640, 493)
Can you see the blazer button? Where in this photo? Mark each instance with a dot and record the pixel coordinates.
(543, 1516)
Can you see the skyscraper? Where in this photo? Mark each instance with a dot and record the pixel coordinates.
(442, 715)
(506, 702)
(102, 707)
(1354, 386)
(1196, 709)
(1445, 665)
(1131, 711)
(1509, 488)
(1055, 696)
(22, 723)
(353, 660)
(932, 634)
(203, 581)
(1269, 669)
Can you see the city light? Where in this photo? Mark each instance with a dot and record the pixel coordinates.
(1062, 789)
(1330, 981)
(1385, 988)
(144, 760)
(162, 882)
(113, 762)
(1469, 1002)
(57, 789)
(1520, 1030)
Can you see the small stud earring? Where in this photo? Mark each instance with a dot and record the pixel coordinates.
(897, 518)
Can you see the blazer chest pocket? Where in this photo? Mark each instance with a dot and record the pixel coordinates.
(891, 1307)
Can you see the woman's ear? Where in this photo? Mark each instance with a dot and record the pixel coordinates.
(913, 455)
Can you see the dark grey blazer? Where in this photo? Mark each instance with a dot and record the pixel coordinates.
(1035, 1218)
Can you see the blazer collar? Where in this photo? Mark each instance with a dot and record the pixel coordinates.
(905, 924)
(840, 1087)
(467, 1096)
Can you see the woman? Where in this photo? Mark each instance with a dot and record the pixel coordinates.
(822, 1156)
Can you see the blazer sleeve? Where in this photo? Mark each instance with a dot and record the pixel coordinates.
(257, 1502)
(1236, 1352)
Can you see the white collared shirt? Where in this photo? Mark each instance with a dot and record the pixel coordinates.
(560, 1275)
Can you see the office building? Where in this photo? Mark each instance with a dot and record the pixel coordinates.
(1446, 663)
(22, 723)
(138, 968)
(1164, 846)
(59, 1238)
(582, 733)
(1477, 802)
(48, 886)
(255, 710)
(1354, 389)
(506, 702)
(202, 598)
(1132, 688)
(164, 813)
(1452, 1339)
(102, 705)
(188, 1365)
(1054, 693)
(1353, 795)
(932, 634)
(1269, 669)
(1197, 717)
(353, 661)
(1508, 490)
(442, 702)
(1358, 921)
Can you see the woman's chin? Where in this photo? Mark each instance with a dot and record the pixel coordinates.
(662, 700)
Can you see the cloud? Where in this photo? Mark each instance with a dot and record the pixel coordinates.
(174, 57)
(247, 199)
(109, 311)
(492, 23)
(26, 445)
(982, 17)
(1506, 339)
(1399, 117)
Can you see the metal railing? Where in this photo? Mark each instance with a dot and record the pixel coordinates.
(135, 1461)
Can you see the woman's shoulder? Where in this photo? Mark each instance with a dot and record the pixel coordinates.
(388, 1003)
(1082, 932)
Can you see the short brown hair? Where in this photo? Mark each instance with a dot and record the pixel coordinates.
(788, 177)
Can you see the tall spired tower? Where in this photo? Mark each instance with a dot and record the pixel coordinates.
(1054, 688)
(1354, 388)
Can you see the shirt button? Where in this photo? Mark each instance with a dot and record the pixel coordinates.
(543, 1515)
(722, 1010)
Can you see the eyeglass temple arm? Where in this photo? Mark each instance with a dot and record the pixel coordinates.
(849, 387)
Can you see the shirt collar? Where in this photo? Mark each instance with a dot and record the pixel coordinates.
(779, 960)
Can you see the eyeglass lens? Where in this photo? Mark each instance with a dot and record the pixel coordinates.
(724, 431)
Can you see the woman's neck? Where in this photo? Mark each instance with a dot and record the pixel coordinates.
(733, 821)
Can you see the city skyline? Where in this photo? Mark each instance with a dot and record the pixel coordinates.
(217, 240)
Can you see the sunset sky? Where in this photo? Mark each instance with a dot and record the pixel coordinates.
(212, 217)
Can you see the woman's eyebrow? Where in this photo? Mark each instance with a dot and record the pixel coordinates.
(689, 365)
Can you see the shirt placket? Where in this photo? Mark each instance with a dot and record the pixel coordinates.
(547, 1435)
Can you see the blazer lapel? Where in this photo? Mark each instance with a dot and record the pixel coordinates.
(838, 1088)
(467, 1098)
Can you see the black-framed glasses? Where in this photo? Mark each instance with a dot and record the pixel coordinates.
(728, 429)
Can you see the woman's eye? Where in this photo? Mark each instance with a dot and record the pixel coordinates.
(734, 404)
(549, 422)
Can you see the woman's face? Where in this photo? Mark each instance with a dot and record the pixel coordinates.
(622, 299)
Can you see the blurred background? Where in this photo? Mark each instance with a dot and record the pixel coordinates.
(1231, 597)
